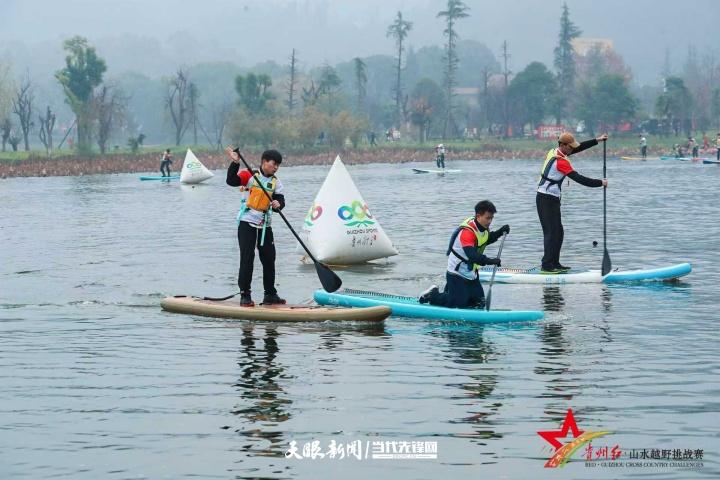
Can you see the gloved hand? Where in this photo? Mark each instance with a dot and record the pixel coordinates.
(504, 229)
(494, 261)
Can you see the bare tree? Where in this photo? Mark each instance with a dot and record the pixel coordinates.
(177, 104)
(193, 96)
(291, 102)
(220, 115)
(109, 105)
(6, 93)
(47, 125)
(506, 74)
(22, 104)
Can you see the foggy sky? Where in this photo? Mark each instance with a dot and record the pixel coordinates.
(156, 36)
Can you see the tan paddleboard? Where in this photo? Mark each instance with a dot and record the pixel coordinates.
(274, 313)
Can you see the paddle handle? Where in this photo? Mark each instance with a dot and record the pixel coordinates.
(257, 179)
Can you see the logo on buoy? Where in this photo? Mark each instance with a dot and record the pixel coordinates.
(355, 214)
(313, 214)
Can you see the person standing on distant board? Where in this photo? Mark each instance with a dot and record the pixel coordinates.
(440, 156)
(717, 145)
(643, 147)
(556, 167)
(165, 163)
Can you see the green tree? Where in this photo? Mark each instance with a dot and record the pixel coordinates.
(83, 72)
(399, 31)
(456, 10)
(427, 103)
(531, 94)
(565, 63)
(345, 126)
(361, 80)
(249, 129)
(606, 102)
(136, 142)
(674, 105)
(329, 88)
(314, 121)
(254, 92)
(715, 107)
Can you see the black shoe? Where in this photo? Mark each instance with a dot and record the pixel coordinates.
(562, 268)
(551, 271)
(246, 300)
(428, 294)
(273, 299)
(478, 305)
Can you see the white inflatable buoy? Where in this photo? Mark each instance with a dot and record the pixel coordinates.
(193, 171)
(339, 228)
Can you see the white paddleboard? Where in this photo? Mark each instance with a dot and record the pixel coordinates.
(534, 275)
(440, 170)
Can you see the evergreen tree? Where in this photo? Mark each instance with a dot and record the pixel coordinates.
(456, 10)
(565, 63)
(399, 30)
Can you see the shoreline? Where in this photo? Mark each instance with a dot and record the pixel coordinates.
(73, 166)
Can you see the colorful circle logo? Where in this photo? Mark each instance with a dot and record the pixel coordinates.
(355, 214)
(313, 214)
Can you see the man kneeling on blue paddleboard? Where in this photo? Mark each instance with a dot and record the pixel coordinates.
(465, 256)
(253, 219)
(554, 170)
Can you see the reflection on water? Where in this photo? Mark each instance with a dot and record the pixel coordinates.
(554, 351)
(553, 301)
(470, 349)
(606, 297)
(259, 389)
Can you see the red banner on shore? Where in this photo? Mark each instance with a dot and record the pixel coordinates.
(552, 132)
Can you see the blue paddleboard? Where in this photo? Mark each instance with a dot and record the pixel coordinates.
(410, 307)
(159, 177)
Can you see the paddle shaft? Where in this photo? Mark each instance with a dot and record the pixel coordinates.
(257, 179)
(606, 263)
(492, 277)
(605, 196)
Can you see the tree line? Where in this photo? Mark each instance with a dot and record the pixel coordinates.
(459, 89)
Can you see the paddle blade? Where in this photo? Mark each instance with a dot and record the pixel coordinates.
(606, 263)
(328, 279)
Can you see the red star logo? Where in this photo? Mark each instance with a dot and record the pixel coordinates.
(569, 424)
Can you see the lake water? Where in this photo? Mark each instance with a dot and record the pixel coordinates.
(98, 382)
